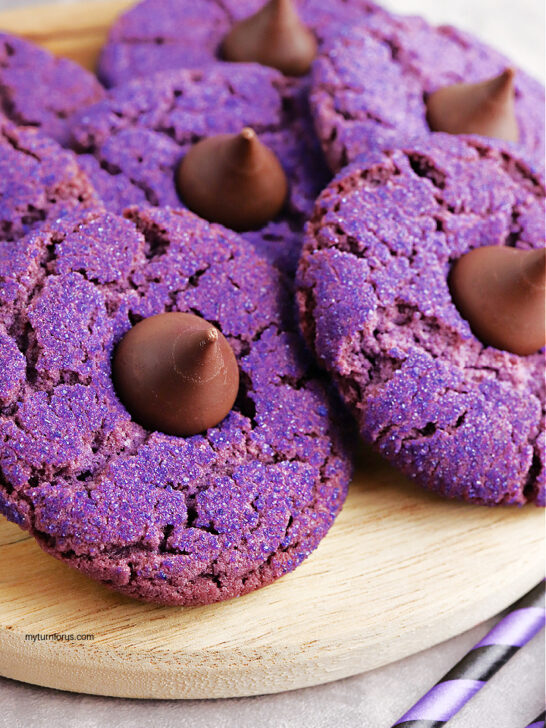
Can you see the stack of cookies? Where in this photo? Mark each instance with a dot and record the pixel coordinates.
(262, 229)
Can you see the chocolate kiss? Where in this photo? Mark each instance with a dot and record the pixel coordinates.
(274, 36)
(176, 373)
(500, 291)
(232, 179)
(485, 108)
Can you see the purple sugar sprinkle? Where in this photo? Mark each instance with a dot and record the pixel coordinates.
(160, 35)
(370, 83)
(131, 142)
(165, 519)
(463, 419)
(40, 183)
(43, 90)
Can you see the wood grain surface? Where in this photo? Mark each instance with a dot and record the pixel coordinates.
(399, 571)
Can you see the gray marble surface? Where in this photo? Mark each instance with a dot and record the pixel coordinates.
(375, 699)
(372, 700)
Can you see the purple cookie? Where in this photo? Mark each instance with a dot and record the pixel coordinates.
(370, 85)
(463, 419)
(160, 35)
(39, 89)
(132, 141)
(40, 182)
(166, 519)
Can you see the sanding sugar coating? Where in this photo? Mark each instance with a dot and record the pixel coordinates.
(159, 35)
(42, 90)
(132, 142)
(40, 183)
(369, 85)
(167, 519)
(464, 420)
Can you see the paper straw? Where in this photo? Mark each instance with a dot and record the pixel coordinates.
(539, 721)
(524, 619)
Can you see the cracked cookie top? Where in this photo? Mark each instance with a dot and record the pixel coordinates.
(40, 183)
(167, 519)
(131, 143)
(160, 35)
(39, 89)
(463, 419)
(370, 84)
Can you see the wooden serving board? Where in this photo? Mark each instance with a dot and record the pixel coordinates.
(399, 571)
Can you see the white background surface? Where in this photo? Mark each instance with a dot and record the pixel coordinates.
(376, 699)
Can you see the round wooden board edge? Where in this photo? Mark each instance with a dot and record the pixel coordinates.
(121, 672)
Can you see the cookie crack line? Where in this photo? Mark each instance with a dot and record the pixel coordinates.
(403, 50)
(368, 364)
(315, 455)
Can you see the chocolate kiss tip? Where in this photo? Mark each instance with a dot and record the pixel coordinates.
(210, 337)
(500, 291)
(486, 108)
(248, 134)
(247, 143)
(502, 85)
(274, 36)
(506, 78)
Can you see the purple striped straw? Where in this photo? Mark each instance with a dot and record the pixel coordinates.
(524, 619)
(538, 722)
